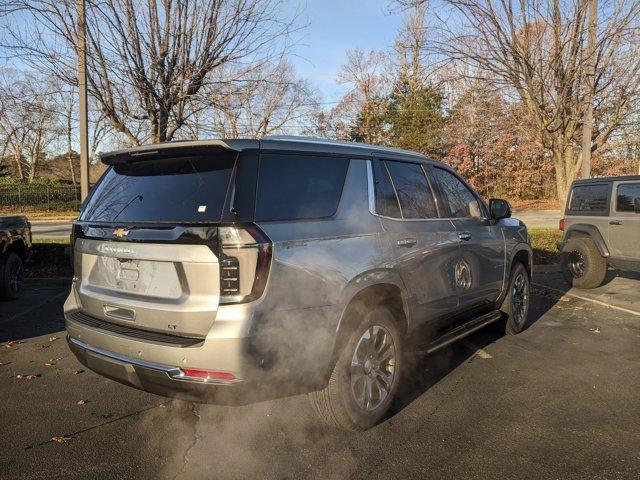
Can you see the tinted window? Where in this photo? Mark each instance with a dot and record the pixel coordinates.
(589, 198)
(181, 189)
(414, 193)
(627, 193)
(297, 187)
(386, 200)
(461, 201)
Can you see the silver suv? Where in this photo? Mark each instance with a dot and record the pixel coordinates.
(238, 270)
(601, 227)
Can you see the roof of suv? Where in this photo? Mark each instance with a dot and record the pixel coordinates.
(275, 143)
(606, 179)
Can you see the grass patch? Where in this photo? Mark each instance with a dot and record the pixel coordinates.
(54, 240)
(42, 214)
(50, 257)
(543, 243)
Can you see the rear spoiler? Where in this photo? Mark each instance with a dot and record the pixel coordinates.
(167, 150)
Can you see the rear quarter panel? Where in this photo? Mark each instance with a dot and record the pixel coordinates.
(317, 267)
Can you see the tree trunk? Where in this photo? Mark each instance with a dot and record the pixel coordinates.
(566, 166)
(587, 115)
(17, 156)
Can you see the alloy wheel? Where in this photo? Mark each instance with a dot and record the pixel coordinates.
(576, 264)
(16, 276)
(373, 367)
(520, 295)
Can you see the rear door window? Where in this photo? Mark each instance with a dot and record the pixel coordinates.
(626, 195)
(183, 189)
(295, 187)
(589, 199)
(413, 190)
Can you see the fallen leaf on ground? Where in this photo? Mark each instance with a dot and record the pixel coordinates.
(60, 439)
(50, 364)
(31, 376)
(78, 371)
(81, 402)
(51, 339)
(594, 330)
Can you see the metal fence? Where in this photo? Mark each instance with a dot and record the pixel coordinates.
(39, 197)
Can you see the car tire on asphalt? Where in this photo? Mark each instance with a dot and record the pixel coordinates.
(11, 276)
(365, 378)
(515, 306)
(581, 263)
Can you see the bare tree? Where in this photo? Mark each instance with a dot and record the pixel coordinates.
(67, 99)
(264, 101)
(29, 121)
(538, 50)
(364, 72)
(149, 60)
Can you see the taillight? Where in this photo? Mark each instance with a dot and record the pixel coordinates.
(245, 258)
(561, 225)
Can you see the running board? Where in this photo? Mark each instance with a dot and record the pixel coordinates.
(460, 332)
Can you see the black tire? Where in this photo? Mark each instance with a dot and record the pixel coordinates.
(581, 263)
(515, 306)
(11, 276)
(338, 404)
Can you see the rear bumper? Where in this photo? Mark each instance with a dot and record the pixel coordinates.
(157, 378)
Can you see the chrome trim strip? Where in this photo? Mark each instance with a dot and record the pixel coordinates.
(174, 373)
(121, 358)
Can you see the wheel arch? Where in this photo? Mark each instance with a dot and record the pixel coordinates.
(522, 253)
(581, 230)
(389, 294)
(17, 246)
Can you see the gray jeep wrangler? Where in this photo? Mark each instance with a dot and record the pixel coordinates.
(601, 229)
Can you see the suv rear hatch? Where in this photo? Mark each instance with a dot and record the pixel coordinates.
(146, 244)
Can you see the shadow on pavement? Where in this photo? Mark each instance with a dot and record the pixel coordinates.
(22, 319)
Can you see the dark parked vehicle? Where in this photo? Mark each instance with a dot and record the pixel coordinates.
(228, 271)
(15, 245)
(601, 229)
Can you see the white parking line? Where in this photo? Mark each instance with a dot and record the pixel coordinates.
(587, 299)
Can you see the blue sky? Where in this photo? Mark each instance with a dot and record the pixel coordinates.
(336, 26)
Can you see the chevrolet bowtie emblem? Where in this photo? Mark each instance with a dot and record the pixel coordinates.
(121, 232)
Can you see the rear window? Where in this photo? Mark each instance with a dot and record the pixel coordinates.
(181, 189)
(589, 199)
(293, 187)
(627, 193)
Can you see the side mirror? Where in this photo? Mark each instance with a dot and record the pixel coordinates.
(636, 205)
(499, 208)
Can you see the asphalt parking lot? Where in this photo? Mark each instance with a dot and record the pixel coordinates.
(561, 400)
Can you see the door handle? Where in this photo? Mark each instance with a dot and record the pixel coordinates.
(615, 222)
(465, 236)
(407, 242)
